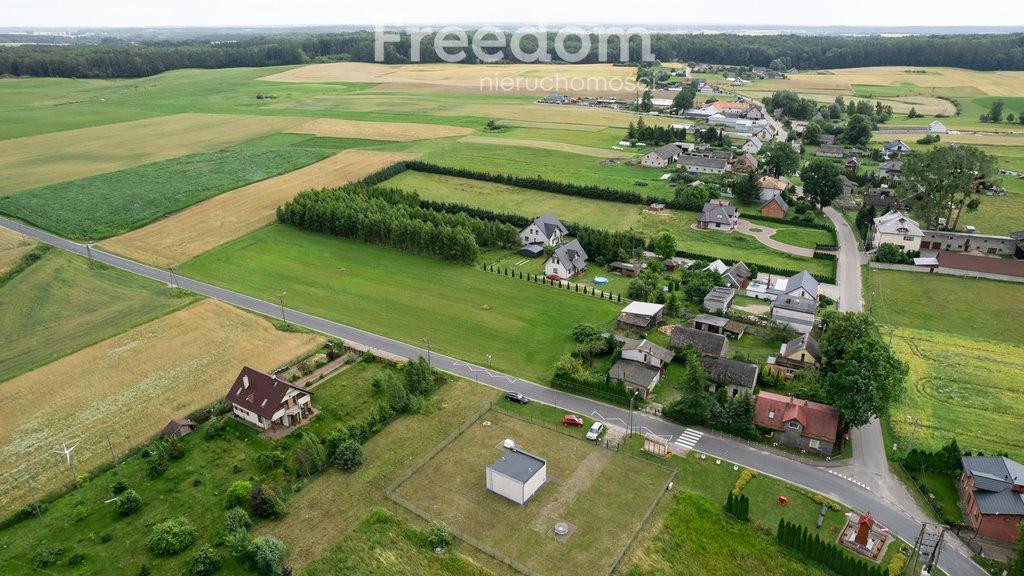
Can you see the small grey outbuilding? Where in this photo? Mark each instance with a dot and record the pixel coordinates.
(517, 475)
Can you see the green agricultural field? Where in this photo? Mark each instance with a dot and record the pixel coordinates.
(606, 215)
(465, 312)
(61, 304)
(101, 206)
(590, 495)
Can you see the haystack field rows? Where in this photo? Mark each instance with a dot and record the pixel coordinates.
(389, 131)
(527, 78)
(899, 81)
(545, 145)
(186, 234)
(128, 387)
(50, 158)
(12, 247)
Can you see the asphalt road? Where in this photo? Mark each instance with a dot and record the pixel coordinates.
(821, 480)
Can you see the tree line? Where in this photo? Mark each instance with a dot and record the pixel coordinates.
(110, 58)
(394, 218)
(825, 553)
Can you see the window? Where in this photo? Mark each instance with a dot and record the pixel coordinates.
(771, 414)
(813, 444)
(908, 238)
(793, 424)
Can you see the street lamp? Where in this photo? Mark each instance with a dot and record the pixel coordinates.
(427, 341)
(631, 398)
(280, 300)
(488, 360)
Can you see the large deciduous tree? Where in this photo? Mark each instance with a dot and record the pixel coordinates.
(779, 159)
(858, 130)
(822, 183)
(841, 329)
(812, 134)
(695, 405)
(944, 181)
(865, 381)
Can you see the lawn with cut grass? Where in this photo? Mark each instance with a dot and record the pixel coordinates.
(61, 304)
(587, 487)
(101, 206)
(802, 237)
(465, 312)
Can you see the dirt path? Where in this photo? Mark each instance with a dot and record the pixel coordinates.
(580, 480)
(764, 237)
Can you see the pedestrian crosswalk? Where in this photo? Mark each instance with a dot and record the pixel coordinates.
(688, 439)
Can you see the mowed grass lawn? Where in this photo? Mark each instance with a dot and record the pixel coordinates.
(109, 204)
(605, 215)
(603, 494)
(61, 304)
(465, 312)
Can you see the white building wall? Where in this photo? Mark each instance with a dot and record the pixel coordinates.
(642, 357)
(505, 486)
(250, 417)
(534, 484)
(898, 239)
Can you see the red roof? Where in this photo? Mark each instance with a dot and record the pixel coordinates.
(981, 264)
(867, 519)
(259, 392)
(817, 421)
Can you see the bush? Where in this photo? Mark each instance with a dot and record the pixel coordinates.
(349, 455)
(238, 494)
(439, 535)
(216, 428)
(76, 559)
(266, 553)
(47, 556)
(158, 464)
(128, 503)
(896, 565)
(106, 537)
(745, 476)
(118, 487)
(205, 561)
(171, 537)
(265, 501)
(237, 541)
(175, 449)
(145, 570)
(236, 519)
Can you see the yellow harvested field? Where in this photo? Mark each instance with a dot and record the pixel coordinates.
(546, 145)
(843, 79)
(129, 386)
(56, 157)
(12, 247)
(186, 234)
(511, 78)
(390, 131)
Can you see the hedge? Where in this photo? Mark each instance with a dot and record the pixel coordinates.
(823, 552)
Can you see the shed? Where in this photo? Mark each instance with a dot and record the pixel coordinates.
(532, 251)
(627, 269)
(177, 428)
(517, 475)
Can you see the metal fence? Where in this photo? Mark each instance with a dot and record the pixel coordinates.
(614, 446)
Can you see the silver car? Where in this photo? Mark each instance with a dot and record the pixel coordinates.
(595, 431)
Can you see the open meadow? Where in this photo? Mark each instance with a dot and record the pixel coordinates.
(389, 131)
(61, 304)
(465, 312)
(173, 240)
(127, 387)
(586, 488)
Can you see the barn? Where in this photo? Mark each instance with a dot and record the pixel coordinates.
(517, 475)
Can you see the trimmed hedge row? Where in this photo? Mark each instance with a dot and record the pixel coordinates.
(825, 553)
(787, 222)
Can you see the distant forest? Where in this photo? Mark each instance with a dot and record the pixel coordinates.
(113, 57)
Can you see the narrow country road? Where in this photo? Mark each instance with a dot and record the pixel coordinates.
(818, 479)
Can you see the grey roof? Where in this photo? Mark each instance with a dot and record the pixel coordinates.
(518, 465)
(891, 166)
(717, 212)
(668, 151)
(532, 250)
(737, 274)
(703, 161)
(773, 195)
(802, 279)
(710, 319)
(571, 255)
(624, 266)
(723, 154)
(803, 343)
(733, 372)
(705, 342)
(659, 352)
(635, 374)
(994, 481)
(896, 145)
(548, 223)
(829, 149)
(720, 294)
(795, 303)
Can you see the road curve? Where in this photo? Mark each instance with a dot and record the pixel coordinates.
(816, 479)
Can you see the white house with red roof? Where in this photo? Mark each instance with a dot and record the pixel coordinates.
(267, 402)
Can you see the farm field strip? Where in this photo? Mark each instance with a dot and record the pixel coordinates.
(12, 247)
(389, 131)
(134, 383)
(186, 234)
(45, 159)
(544, 145)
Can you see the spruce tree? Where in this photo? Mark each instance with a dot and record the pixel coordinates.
(778, 531)
(729, 504)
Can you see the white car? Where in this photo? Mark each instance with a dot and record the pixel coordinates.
(595, 431)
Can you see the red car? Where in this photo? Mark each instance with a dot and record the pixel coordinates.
(572, 420)
(554, 277)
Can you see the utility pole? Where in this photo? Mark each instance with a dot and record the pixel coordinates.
(174, 281)
(280, 300)
(113, 459)
(913, 434)
(427, 341)
(67, 454)
(22, 231)
(88, 251)
(35, 503)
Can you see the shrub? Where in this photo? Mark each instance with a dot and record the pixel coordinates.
(205, 561)
(157, 464)
(265, 501)
(175, 449)
(145, 570)
(171, 536)
(238, 494)
(76, 559)
(745, 477)
(128, 503)
(896, 565)
(216, 428)
(237, 541)
(47, 556)
(106, 537)
(118, 487)
(349, 455)
(439, 535)
(266, 553)
(236, 519)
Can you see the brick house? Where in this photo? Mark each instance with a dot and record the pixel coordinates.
(992, 495)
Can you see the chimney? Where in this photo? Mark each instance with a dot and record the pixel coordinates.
(245, 381)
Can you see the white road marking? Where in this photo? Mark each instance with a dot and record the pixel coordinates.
(689, 438)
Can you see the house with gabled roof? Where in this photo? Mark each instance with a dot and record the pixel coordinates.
(770, 182)
(891, 169)
(773, 204)
(736, 376)
(801, 284)
(702, 164)
(641, 364)
(797, 423)
(640, 316)
(718, 215)
(895, 149)
(719, 299)
(706, 343)
(798, 354)
(745, 163)
(737, 276)
(897, 228)
(661, 157)
(797, 312)
(267, 402)
(992, 493)
(567, 261)
(546, 230)
(752, 146)
(829, 151)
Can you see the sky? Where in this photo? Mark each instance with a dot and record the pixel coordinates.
(150, 13)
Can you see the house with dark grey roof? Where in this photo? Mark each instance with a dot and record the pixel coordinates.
(546, 230)
(773, 204)
(567, 261)
(663, 156)
(829, 151)
(641, 365)
(801, 284)
(849, 186)
(268, 402)
(796, 312)
(992, 493)
(891, 169)
(703, 164)
(718, 215)
(178, 428)
(736, 376)
(517, 475)
(627, 269)
(882, 199)
(737, 276)
(827, 139)
(719, 299)
(718, 325)
(801, 353)
(706, 343)
(895, 149)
